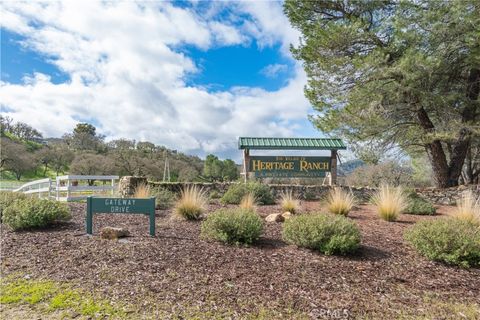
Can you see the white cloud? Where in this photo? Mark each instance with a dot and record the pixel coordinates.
(273, 70)
(127, 74)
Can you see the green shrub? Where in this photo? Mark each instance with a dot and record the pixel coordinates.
(329, 234)
(34, 213)
(236, 192)
(233, 226)
(7, 198)
(310, 196)
(449, 240)
(214, 194)
(418, 205)
(164, 198)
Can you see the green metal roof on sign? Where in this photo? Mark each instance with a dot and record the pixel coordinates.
(291, 143)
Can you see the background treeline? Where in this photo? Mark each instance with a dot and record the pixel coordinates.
(83, 151)
(26, 155)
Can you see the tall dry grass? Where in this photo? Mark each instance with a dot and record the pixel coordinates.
(142, 190)
(390, 202)
(191, 204)
(340, 202)
(468, 208)
(289, 202)
(249, 202)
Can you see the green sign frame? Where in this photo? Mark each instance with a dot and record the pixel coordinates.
(120, 205)
(290, 166)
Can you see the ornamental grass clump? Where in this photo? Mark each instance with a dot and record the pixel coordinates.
(329, 234)
(289, 202)
(340, 202)
(390, 202)
(450, 240)
(191, 204)
(468, 208)
(248, 202)
(233, 226)
(142, 190)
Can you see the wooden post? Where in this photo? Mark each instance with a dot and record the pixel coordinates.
(333, 169)
(68, 188)
(58, 189)
(246, 161)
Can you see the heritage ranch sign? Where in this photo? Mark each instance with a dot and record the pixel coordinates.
(120, 205)
(286, 166)
(290, 166)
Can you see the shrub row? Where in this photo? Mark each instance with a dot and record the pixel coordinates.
(7, 198)
(26, 213)
(236, 192)
(451, 240)
(418, 205)
(325, 233)
(329, 234)
(233, 226)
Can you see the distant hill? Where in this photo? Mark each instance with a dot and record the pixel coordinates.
(348, 167)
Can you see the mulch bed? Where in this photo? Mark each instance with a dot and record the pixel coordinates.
(178, 270)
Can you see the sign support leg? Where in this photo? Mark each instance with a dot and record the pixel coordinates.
(333, 169)
(152, 218)
(89, 221)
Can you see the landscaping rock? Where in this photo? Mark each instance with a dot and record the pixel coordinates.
(286, 215)
(275, 217)
(113, 233)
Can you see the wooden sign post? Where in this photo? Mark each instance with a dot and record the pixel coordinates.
(120, 205)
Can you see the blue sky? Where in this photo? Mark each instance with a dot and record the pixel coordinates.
(190, 76)
(18, 61)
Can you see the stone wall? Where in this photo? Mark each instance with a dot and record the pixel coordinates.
(447, 196)
(309, 192)
(127, 185)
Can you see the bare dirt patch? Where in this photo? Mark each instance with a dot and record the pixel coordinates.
(178, 271)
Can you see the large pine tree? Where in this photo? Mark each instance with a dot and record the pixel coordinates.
(403, 72)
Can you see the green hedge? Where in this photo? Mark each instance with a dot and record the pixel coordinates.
(418, 205)
(236, 192)
(34, 213)
(448, 240)
(329, 234)
(233, 226)
(7, 198)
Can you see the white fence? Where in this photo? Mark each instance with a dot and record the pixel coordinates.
(70, 187)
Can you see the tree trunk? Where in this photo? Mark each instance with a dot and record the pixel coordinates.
(468, 168)
(435, 152)
(447, 174)
(457, 157)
